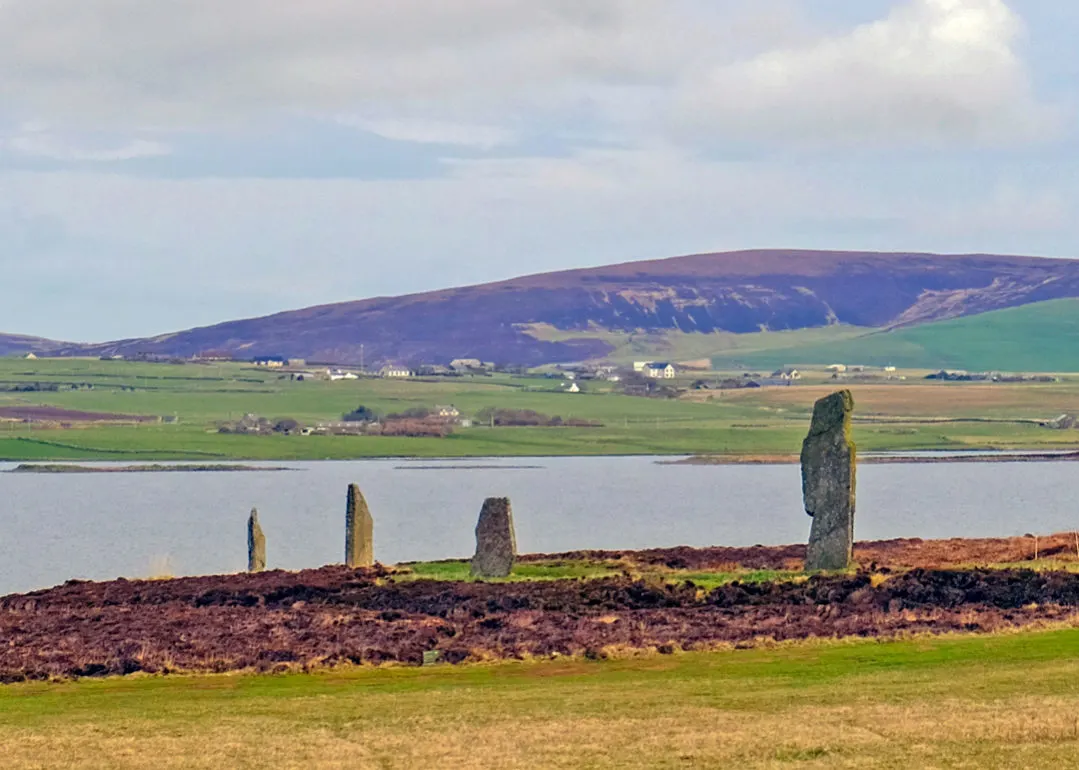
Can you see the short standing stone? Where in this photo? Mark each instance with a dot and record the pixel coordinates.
(359, 530)
(828, 483)
(256, 544)
(496, 544)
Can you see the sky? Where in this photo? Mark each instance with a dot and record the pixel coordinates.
(177, 163)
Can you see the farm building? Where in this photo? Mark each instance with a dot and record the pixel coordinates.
(660, 370)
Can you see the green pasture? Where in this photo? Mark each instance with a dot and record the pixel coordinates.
(1039, 337)
(1009, 700)
(199, 397)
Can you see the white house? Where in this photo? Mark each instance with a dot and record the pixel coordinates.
(837, 368)
(339, 374)
(638, 366)
(466, 363)
(394, 371)
(573, 388)
(448, 411)
(660, 370)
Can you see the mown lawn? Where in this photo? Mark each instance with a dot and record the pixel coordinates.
(975, 701)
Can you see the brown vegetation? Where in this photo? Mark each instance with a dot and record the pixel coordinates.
(333, 616)
(55, 414)
(899, 554)
(530, 418)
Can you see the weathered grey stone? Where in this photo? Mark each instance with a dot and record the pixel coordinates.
(496, 543)
(256, 544)
(828, 483)
(359, 530)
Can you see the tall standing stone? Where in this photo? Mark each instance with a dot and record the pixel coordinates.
(256, 544)
(828, 483)
(496, 543)
(359, 530)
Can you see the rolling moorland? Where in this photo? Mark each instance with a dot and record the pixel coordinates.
(707, 301)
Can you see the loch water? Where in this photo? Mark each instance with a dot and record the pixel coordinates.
(54, 527)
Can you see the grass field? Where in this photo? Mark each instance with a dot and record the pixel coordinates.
(974, 701)
(1036, 337)
(910, 415)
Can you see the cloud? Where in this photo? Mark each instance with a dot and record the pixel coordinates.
(165, 254)
(40, 142)
(181, 61)
(933, 72)
(473, 73)
(434, 131)
(1006, 208)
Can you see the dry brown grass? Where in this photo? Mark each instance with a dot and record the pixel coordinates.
(1028, 732)
(957, 703)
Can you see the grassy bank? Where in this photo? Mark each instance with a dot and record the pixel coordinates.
(998, 701)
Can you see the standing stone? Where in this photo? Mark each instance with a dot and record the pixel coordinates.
(828, 479)
(359, 530)
(256, 544)
(496, 544)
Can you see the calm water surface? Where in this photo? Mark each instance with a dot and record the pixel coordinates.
(100, 526)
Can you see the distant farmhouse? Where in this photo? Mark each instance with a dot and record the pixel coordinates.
(450, 412)
(339, 374)
(270, 362)
(392, 371)
(470, 365)
(660, 370)
(786, 374)
(212, 355)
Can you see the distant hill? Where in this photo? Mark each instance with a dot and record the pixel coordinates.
(1042, 337)
(571, 315)
(16, 344)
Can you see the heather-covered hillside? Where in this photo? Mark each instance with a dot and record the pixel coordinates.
(739, 292)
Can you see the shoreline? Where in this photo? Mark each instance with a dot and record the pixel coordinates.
(883, 459)
(58, 468)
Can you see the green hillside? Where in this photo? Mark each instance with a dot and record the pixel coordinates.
(1041, 337)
